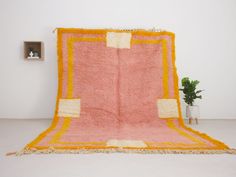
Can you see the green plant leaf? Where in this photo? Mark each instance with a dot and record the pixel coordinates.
(199, 91)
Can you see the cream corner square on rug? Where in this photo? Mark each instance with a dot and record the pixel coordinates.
(167, 108)
(118, 40)
(69, 108)
(126, 143)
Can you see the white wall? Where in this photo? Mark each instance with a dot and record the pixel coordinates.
(205, 46)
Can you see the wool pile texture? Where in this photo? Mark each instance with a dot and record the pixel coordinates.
(118, 92)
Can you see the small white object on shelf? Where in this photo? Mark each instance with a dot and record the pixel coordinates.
(31, 54)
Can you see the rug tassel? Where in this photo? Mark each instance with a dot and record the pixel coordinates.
(11, 153)
(231, 151)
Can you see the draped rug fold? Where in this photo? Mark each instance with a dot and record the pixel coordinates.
(118, 92)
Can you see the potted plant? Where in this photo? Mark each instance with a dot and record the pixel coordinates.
(190, 94)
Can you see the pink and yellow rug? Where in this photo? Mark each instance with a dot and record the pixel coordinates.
(118, 92)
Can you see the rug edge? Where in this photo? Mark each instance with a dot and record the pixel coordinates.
(26, 151)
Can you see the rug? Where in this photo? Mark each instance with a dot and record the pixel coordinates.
(118, 92)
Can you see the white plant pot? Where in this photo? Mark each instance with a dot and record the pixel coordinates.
(192, 111)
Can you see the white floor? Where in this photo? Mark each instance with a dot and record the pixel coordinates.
(14, 134)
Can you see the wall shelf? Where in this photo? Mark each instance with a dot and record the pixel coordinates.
(33, 50)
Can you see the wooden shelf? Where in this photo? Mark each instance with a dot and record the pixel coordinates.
(34, 47)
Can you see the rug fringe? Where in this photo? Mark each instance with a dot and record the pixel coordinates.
(51, 150)
(154, 29)
(11, 153)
